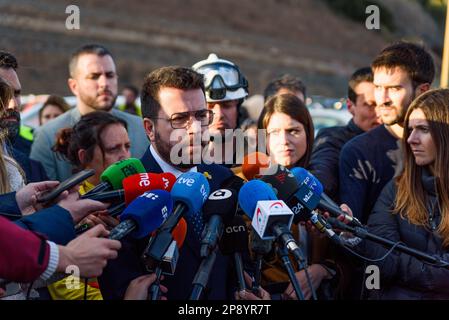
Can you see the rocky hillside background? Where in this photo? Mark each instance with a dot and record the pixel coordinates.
(264, 37)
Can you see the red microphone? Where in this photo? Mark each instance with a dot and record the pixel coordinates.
(167, 180)
(139, 183)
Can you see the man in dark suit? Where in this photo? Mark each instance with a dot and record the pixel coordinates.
(175, 113)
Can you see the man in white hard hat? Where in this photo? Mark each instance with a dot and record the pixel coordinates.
(226, 89)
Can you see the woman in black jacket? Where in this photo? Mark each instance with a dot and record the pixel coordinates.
(414, 207)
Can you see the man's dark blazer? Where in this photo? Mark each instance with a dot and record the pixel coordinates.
(121, 271)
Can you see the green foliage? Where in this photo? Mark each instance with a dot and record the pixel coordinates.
(355, 10)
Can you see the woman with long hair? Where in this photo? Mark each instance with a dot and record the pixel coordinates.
(414, 207)
(289, 141)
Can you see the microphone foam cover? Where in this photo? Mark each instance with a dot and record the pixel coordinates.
(167, 181)
(253, 163)
(283, 182)
(253, 191)
(149, 211)
(233, 182)
(137, 184)
(192, 189)
(222, 202)
(179, 232)
(235, 237)
(304, 176)
(116, 172)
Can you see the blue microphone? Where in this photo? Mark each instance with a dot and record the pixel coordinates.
(270, 218)
(325, 202)
(251, 192)
(189, 193)
(144, 215)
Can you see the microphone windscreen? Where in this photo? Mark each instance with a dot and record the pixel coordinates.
(116, 172)
(304, 176)
(235, 237)
(167, 181)
(179, 232)
(192, 189)
(233, 182)
(137, 184)
(253, 191)
(149, 211)
(283, 182)
(222, 202)
(253, 163)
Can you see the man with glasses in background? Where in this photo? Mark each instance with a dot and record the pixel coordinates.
(173, 106)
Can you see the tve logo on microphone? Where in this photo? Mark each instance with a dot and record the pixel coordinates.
(187, 181)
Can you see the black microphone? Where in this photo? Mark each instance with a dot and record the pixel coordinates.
(260, 248)
(219, 209)
(233, 242)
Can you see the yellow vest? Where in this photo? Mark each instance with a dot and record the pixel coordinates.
(71, 288)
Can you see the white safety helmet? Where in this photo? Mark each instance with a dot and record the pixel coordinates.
(222, 79)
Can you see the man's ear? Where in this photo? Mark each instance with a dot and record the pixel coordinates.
(350, 106)
(423, 87)
(150, 129)
(82, 155)
(73, 86)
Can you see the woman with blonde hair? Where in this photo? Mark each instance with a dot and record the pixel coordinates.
(414, 207)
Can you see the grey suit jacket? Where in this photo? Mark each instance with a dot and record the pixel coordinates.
(58, 168)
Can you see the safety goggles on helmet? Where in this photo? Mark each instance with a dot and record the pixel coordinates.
(222, 79)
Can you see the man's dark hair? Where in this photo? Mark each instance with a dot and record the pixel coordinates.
(361, 75)
(412, 58)
(96, 49)
(286, 81)
(132, 88)
(7, 61)
(166, 77)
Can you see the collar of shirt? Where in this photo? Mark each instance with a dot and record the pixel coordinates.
(168, 167)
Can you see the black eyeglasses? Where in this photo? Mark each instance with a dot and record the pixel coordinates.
(181, 120)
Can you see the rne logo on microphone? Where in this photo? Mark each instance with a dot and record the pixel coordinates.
(144, 180)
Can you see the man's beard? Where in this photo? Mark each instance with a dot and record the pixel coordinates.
(164, 151)
(91, 102)
(10, 128)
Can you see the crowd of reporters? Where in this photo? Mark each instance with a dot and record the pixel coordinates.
(141, 225)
